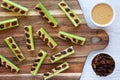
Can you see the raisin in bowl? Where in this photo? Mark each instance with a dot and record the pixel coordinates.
(103, 64)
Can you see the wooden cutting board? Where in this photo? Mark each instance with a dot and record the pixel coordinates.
(76, 61)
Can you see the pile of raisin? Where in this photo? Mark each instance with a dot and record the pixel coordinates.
(103, 64)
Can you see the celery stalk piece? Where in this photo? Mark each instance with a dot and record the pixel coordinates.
(73, 38)
(63, 54)
(62, 67)
(46, 15)
(38, 62)
(69, 13)
(12, 6)
(10, 23)
(29, 37)
(8, 64)
(42, 33)
(14, 48)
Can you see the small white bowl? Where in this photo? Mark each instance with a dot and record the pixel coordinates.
(108, 55)
(100, 25)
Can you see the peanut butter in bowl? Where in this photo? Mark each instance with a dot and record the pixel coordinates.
(102, 15)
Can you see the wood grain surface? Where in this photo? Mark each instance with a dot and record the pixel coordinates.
(76, 61)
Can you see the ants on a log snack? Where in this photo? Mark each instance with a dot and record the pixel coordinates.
(69, 13)
(73, 38)
(38, 62)
(46, 14)
(65, 53)
(12, 6)
(46, 38)
(29, 37)
(14, 48)
(103, 64)
(6, 63)
(56, 70)
(10, 23)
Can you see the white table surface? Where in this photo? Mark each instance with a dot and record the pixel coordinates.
(113, 47)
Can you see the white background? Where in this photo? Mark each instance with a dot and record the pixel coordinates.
(113, 47)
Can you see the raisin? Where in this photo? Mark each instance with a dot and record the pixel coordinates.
(27, 35)
(42, 14)
(13, 46)
(22, 12)
(46, 18)
(39, 33)
(51, 45)
(74, 39)
(76, 20)
(79, 41)
(13, 70)
(11, 7)
(46, 74)
(68, 39)
(5, 4)
(57, 68)
(28, 46)
(32, 69)
(72, 15)
(0, 61)
(9, 67)
(63, 52)
(43, 36)
(62, 36)
(16, 9)
(1, 26)
(57, 55)
(40, 54)
(14, 23)
(37, 60)
(20, 56)
(17, 51)
(103, 64)
(67, 9)
(46, 40)
(34, 64)
(64, 65)
(62, 4)
(69, 50)
(4, 63)
(28, 41)
(37, 8)
(27, 29)
(51, 24)
(52, 58)
(10, 40)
